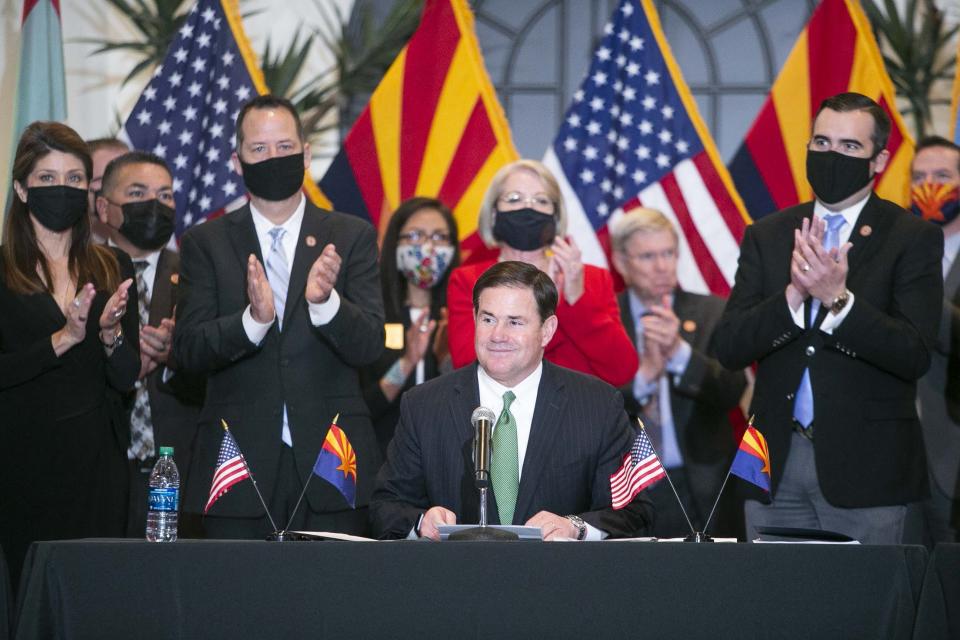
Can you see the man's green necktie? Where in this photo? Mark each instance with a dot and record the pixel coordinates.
(505, 463)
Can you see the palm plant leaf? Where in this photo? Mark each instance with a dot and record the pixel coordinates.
(916, 43)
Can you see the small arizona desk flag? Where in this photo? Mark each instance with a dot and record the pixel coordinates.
(337, 463)
(752, 462)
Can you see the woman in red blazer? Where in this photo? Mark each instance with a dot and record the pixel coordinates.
(523, 214)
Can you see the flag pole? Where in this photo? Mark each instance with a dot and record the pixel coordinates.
(724, 485)
(306, 484)
(250, 473)
(667, 476)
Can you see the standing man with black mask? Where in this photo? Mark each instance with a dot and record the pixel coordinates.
(838, 301)
(280, 304)
(136, 205)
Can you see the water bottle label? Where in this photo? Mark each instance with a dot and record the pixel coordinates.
(164, 499)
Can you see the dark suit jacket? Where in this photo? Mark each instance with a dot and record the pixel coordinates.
(313, 370)
(938, 393)
(701, 399)
(578, 438)
(869, 451)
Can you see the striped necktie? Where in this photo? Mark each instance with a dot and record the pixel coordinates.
(278, 272)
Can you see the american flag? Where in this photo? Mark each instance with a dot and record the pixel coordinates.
(632, 136)
(640, 469)
(187, 112)
(231, 469)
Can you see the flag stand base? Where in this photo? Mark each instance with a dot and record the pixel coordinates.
(698, 536)
(287, 536)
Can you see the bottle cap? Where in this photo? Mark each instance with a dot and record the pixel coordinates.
(166, 451)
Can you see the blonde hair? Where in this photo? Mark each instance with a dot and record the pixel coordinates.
(638, 220)
(488, 207)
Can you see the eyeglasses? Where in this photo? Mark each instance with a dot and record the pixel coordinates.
(420, 237)
(540, 201)
(648, 257)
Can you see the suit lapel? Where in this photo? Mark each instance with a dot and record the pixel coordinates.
(243, 236)
(952, 281)
(463, 400)
(626, 315)
(867, 235)
(305, 254)
(160, 299)
(543, 437)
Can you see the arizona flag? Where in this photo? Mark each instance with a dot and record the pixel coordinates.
(433, 127)
(633, 136)
(752, 462)
(337, 463)
(835, 53)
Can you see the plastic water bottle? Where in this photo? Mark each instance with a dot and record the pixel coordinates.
(164, 499)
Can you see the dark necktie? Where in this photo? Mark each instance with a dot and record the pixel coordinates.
(141, 422)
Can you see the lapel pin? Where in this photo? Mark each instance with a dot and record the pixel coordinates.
(866, 230)
(311, 241)
(689, 326)
(174, 279)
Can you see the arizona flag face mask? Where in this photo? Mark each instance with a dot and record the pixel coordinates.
(935, 201)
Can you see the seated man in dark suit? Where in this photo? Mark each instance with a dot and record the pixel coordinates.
(682, 394)
(559, 437)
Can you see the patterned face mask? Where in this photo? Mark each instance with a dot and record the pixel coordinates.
(423, 265)
(936, 202)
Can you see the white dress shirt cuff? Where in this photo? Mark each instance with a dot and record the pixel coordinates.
(797, 315)
(678, 362)
(256, 331)
(594, 534)
(831, 322)
(322, 313)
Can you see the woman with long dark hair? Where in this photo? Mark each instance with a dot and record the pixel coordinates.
(68, 333)
(418, 251)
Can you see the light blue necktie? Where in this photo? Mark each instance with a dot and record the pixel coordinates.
(278, 272)
(803, 405)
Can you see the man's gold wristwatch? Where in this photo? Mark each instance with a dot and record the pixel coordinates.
(840, 302)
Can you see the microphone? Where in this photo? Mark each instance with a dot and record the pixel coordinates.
(482, 420)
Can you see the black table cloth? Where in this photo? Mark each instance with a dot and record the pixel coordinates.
(235, 589)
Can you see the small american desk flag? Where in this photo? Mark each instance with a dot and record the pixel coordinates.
(231, 469)
(640, 469)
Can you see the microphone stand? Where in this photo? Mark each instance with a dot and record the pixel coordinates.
(483, 531)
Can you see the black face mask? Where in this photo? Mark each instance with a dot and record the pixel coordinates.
(525, 229)
(834, 176)
(148, 224)
(57, 208)
(274, 179)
